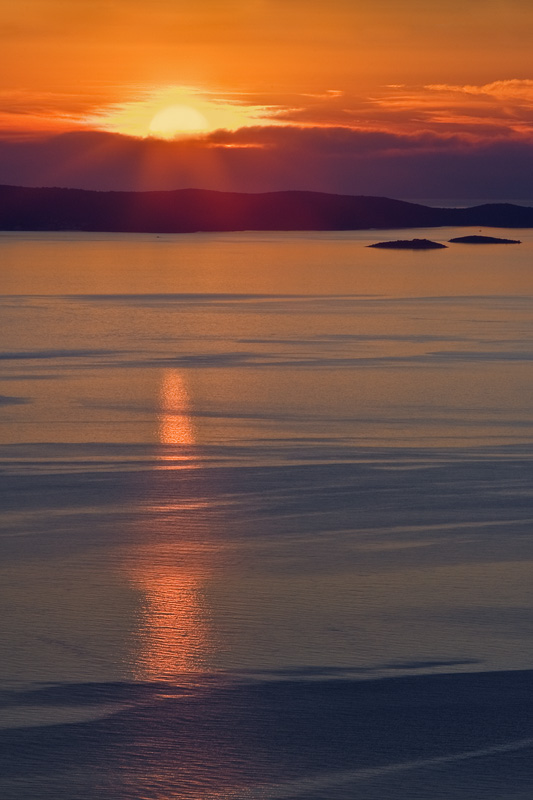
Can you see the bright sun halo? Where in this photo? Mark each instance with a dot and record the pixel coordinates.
(177, 112)
(175, 120)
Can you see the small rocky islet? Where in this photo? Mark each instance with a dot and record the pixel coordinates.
(410, 244)
(476, 239)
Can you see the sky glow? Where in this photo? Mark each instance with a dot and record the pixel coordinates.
(332, 81)
(176, 111)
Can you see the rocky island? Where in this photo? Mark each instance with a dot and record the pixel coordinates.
(410, 244)
(476, 239)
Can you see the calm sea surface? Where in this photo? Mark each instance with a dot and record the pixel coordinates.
(267, 517)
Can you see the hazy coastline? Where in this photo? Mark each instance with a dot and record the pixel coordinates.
(197, 210)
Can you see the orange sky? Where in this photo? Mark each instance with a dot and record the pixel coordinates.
(457, 68)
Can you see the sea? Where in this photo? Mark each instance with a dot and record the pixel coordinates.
(267, 509)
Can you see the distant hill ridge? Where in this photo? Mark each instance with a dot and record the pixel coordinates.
(196, 210)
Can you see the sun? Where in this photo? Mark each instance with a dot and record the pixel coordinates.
(177, 120)
(180, 112)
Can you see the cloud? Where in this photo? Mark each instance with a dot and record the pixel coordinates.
(493, 110)
(506, 90)
(496, 110)
(479, 162)
(336, 140)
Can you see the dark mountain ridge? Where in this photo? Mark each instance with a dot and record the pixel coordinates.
(196, 210)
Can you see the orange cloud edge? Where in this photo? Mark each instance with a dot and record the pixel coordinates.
(501, 109)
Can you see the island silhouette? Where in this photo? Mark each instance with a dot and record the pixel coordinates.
(409, 244)
(476, 239)
(202, 210)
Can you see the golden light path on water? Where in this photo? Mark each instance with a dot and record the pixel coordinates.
(175, 424)
(171, 568)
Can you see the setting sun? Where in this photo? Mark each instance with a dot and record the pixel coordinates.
(175, 120)
(172, 112)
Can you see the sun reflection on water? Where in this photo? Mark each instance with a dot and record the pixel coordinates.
(171, 568)
(174, 625)
(175, 424)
